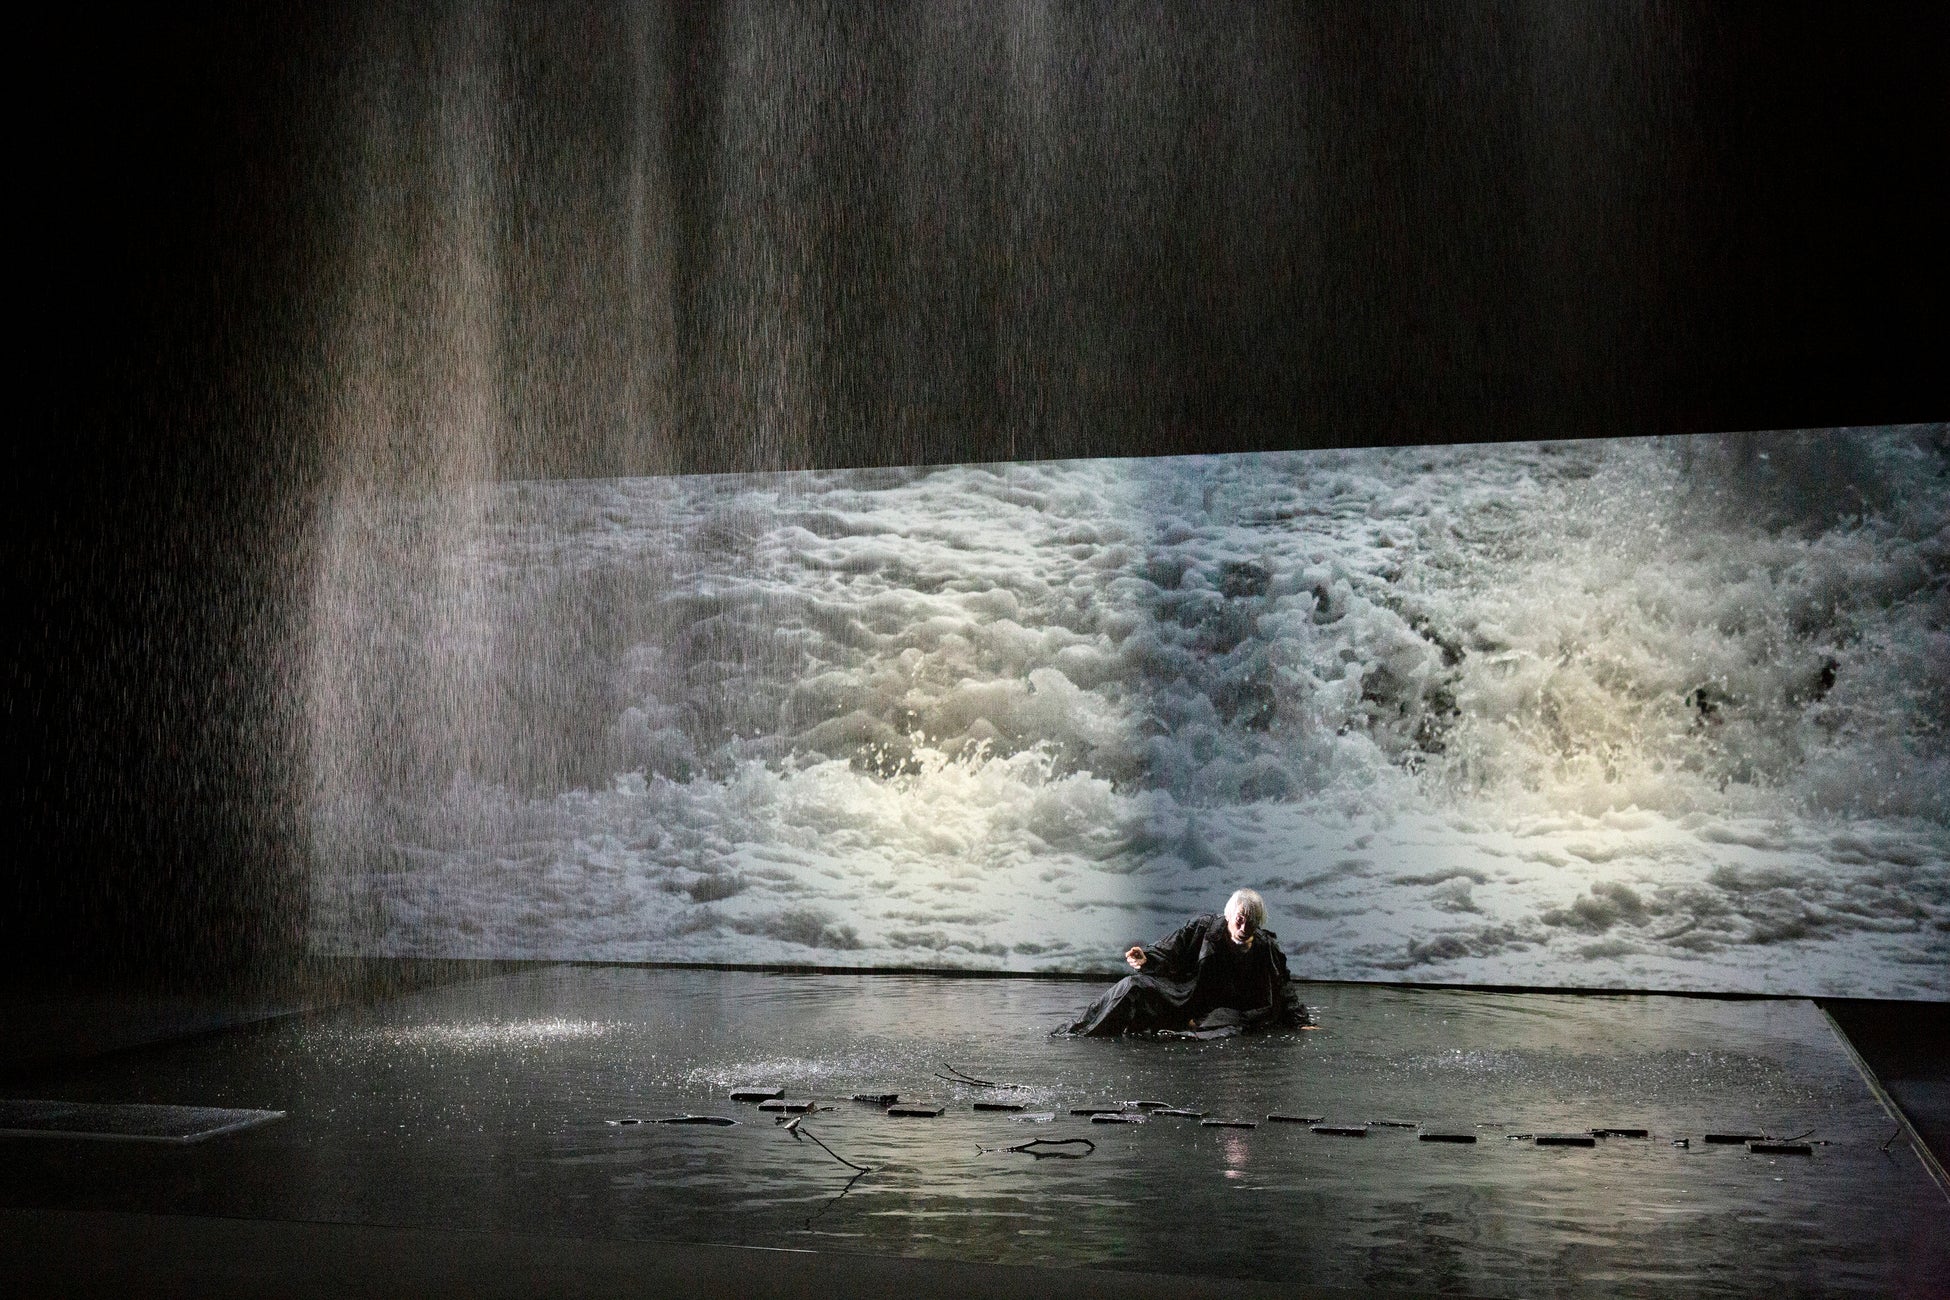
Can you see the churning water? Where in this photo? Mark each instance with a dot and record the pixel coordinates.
(1654, 714)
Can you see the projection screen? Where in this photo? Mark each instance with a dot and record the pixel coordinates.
(1650, 714)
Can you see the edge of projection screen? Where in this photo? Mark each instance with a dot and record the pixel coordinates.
(1662, 713)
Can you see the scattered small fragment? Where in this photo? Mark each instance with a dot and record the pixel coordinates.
(756, 1094)
(1061, 1148)
(1566, 1140)
(955, 1075)
(800, 1133)
(1448, 1137)
(915, 1110)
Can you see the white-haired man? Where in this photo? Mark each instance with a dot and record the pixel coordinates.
(1214, 976)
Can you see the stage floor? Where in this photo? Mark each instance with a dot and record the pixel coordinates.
(489, 1107)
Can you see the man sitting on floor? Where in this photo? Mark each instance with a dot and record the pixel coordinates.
(1212, 977)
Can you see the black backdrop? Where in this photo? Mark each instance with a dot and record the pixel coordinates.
(1411, 223)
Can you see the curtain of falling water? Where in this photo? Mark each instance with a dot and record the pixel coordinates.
(401, 629)
(713, 236)
(644, 237)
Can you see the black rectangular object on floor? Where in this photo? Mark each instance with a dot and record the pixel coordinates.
(125, 1122)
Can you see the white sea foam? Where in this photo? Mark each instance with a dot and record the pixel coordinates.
(1653, 713)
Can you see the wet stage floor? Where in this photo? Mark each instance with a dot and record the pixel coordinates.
(489, 1106)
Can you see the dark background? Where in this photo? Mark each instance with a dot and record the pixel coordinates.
(1208, 228)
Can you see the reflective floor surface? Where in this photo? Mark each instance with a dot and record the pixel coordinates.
(493, 1106)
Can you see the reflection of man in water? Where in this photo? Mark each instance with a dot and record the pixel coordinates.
(1212, 977)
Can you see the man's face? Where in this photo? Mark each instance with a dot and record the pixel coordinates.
(1237, 925)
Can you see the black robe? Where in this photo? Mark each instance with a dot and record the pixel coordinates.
(1197, 983)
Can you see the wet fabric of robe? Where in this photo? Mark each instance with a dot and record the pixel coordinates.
(1197, 983)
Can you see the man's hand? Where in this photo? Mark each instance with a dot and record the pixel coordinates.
(1135, 957)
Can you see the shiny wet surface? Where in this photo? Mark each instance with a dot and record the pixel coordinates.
(487, 1106)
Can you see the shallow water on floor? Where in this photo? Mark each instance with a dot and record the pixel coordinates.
(487, 1106)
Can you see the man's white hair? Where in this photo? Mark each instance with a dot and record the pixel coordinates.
(1249, 902)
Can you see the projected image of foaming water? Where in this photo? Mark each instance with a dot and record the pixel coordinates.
(1653, 714)
(497, 1106)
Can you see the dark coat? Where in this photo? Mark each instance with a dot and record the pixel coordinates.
(1197, 983)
